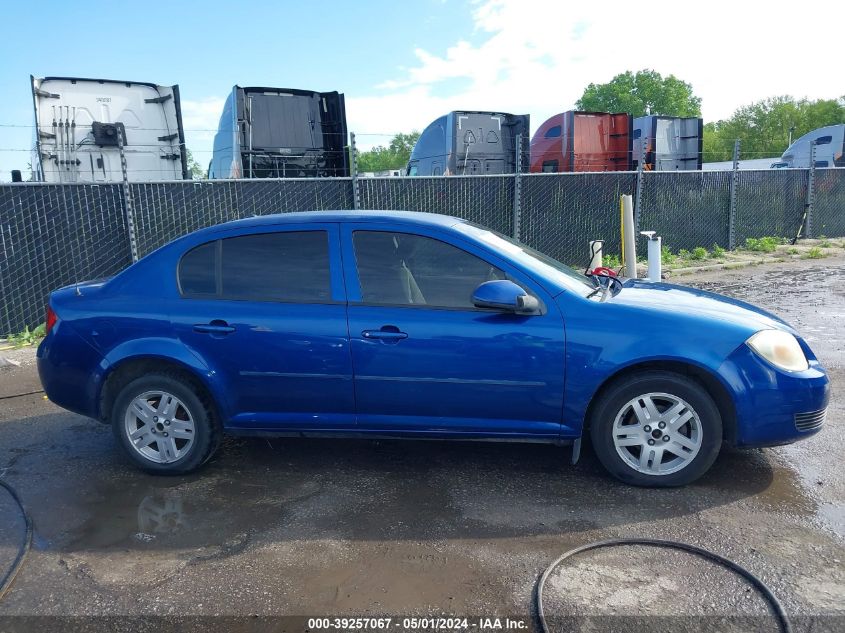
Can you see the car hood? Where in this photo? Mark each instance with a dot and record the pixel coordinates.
(684, 300)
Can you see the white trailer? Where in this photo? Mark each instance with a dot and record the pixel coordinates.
(86, 128)
(750, 163)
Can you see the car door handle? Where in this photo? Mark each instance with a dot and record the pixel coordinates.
(215, 327)
(386, 333)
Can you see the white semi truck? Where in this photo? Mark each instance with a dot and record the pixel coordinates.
(830, 149)
(90, 130)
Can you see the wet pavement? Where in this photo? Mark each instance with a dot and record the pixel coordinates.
(349, 527)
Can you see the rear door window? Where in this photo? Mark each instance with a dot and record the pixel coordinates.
(290, 267)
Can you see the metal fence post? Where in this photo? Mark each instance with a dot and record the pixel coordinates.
(517, 188)
(353, 159)
(638, 194)
(732, 210)
(811, 192)
(128, 203)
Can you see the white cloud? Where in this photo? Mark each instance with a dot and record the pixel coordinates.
(200, 120)
(537, 57)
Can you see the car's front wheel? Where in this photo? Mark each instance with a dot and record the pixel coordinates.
(163, 425)
(656, 429)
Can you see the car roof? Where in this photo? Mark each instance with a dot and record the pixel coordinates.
(300, 217)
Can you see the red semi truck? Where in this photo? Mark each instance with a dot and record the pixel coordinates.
(583, 141)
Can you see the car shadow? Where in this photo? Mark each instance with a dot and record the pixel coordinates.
(84, 495)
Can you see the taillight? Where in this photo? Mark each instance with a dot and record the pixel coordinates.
(51, 319)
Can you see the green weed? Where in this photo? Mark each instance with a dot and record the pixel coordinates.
(763, 244)
(27, 336)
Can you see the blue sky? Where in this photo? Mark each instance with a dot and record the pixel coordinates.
(401, 64)
(207, 47)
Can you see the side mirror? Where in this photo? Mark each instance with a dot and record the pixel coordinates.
(506, 296)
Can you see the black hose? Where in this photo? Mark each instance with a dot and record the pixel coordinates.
(6, 584)
(21, 395)
(777, 607)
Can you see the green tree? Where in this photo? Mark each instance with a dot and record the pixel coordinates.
(764, 127)
(641, 93)
(197, 171)
(394, 156)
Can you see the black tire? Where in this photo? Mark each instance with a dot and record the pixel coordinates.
(617, 396)
(207, 432)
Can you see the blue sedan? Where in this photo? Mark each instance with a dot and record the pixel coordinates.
(396, 324)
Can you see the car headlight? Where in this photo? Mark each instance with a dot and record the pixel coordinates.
(780, 348)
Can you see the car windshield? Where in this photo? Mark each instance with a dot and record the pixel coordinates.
(531, 259)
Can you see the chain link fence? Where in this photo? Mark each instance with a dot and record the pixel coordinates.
(829, 208)
(770, 202)
(167, 210)
(687, 208)
(52, 235)
(486, 200)
(559, 216)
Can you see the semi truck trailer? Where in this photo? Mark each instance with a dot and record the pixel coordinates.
(582, 141)
(469, 143)
(667, 143)
(94, 130)
(281, 133)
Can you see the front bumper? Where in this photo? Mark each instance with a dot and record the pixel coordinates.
(775, 407)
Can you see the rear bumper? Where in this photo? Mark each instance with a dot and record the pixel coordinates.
(775, 407)
(67, 366)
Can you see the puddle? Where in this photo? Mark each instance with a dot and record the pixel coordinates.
(345, 489)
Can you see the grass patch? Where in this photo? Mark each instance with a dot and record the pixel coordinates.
(611, 261)
(27, 336)
(815, 253)
(718, 252)
(763, 244)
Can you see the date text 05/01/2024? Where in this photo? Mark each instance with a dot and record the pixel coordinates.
(418, 623)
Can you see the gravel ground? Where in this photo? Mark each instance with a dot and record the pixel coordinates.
(318, 527)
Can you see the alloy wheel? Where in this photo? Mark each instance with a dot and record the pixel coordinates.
(657, 433)
(159, 427)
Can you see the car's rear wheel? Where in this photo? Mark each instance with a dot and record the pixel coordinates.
(163, 425)
(656, 429)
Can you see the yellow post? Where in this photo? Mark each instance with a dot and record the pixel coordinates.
(629, 244)
(622, 224)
